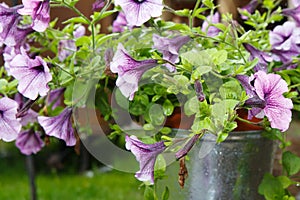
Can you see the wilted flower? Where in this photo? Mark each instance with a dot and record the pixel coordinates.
(129, 71)
(146, 155)
(39, 10)
(59, 126)
(139, 12)
(33, 75)
(54, 97)
(170, 47)
(29, 142)
(9, 124)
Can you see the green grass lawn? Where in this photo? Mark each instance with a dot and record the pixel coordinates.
(64, 185)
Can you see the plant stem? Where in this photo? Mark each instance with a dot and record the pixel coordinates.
(76, 11)
(192, 15)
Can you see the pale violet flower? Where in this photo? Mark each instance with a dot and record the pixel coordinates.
(9, 124)
(29, 142)
(39, 10)
(170, 47)
(296, 2)
(138, 12)
(146, 155)
(59, 126)
(129, 71)
(119, 23)
(266, 98)
(65, 49)
(207, 25)
(33, 75)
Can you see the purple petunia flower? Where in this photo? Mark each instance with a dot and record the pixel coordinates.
(129, 71)
(119, 23)
(250, 8)
(54, 97)
(29, 142)
(25, 113)
(263, 58)
(285, 37)
(146, 155)
(10, 33)
(9, 124)
(211, 30)
(65, 49)
(138, 12)
(33, 75)
(266, 98)
(293, 13)
(169, 47)
(296, 3)
(59, 126)
(285, 41)
(39, 10)
(79, 31)
(98, 5)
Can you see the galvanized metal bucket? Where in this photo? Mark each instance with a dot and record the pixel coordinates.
(231, 170)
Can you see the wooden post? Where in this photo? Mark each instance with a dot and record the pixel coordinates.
(31, 176)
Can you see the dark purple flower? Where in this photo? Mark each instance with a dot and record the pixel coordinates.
(129, 71)
(98, 5)
(146, 155)
(29, 142)
(65, 49)
(207, 28)
(170, 47)
(293, 13)
(138, 12)
(10, 33)
(266, 97)
(263, 57)
(9, 124)
(39, 10)
(59, 126)
(187, 147)
(119, 23)
(199, 91)
(33, 75)
(250, 8)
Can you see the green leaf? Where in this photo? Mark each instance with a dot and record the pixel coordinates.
(156, 114)
(208, 3)
(191, 106)
(168, 107)
(285, 181)
(149, 193)
(166, 194)
(231, 90)
(79, 20)
(148, 127)
(183, 13)
(160, 167)
(291, 163)
(271, 188)
(219, 57)
(98, 15)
